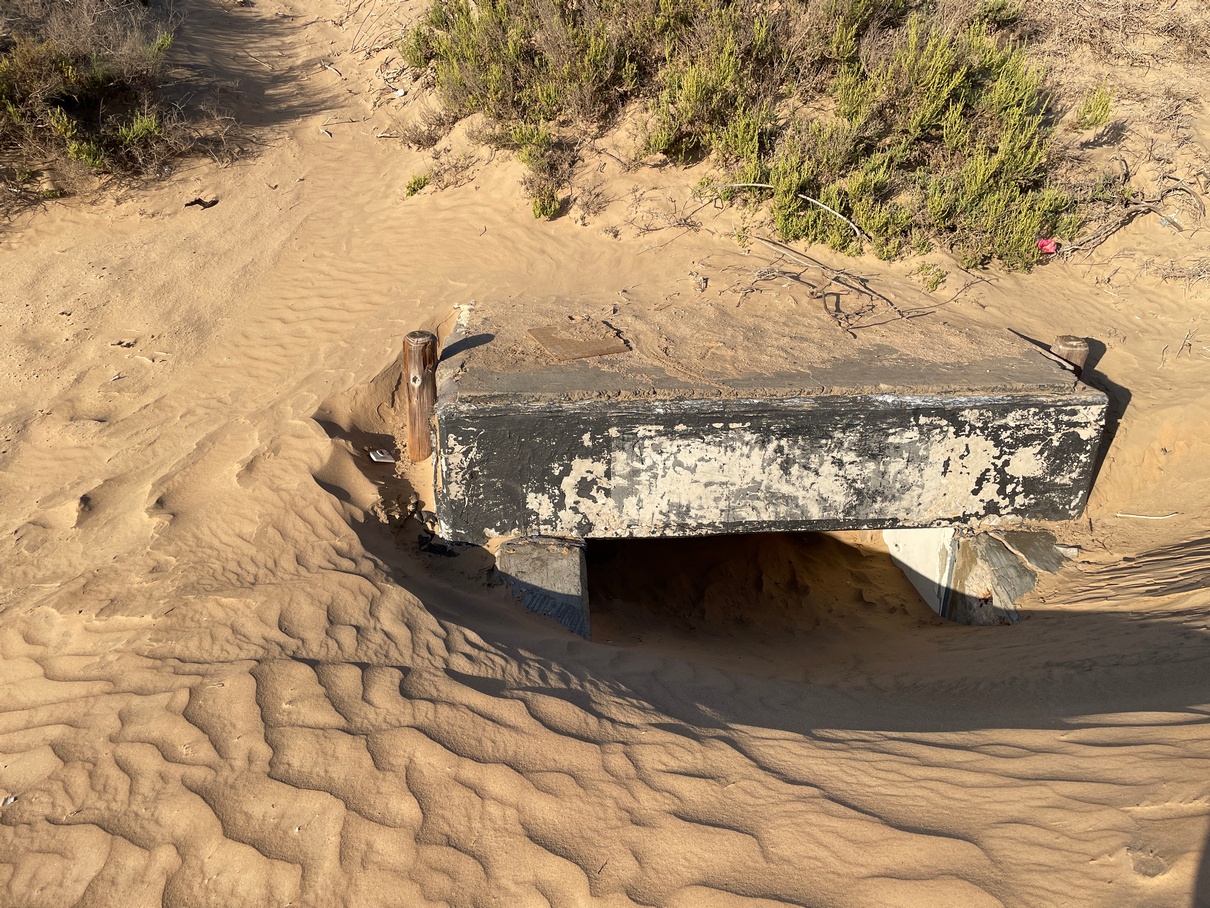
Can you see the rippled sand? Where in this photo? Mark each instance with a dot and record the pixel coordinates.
(227, 681)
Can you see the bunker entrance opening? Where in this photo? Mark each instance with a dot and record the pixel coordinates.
(754, 583)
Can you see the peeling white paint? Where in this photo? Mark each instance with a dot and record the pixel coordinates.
(649, 478)
(1026, 463)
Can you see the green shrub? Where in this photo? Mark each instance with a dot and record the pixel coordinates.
(998, 13)
(161, 45)
(417, 182)
(1094, 109)
(78, 87)
(144, 128)
(931, 276)
(86, 151)
(546, 203)
(918, 133)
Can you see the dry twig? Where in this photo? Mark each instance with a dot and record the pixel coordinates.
(861, 234)
(1132, 211)
(858, 285)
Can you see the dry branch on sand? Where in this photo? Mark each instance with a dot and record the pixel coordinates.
(1134, 209)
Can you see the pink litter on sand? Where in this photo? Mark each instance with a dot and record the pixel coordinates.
(1048, 247)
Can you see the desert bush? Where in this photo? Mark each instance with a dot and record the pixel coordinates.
(417, 182)
(858, 120)
(77, 87)
(429, 127)
(945, 138)
(1094, 109)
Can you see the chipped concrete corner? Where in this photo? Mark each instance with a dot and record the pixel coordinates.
(703, 467)
(975, 577)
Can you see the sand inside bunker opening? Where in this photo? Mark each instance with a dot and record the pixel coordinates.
(762, 589)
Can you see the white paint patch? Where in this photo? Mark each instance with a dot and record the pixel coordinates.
(1026, 463)
(654, 479)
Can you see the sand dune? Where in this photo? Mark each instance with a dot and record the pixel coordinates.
(227, 681)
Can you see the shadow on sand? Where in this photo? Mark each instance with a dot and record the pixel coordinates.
(1049, 671)
(1064, 668)
(243, 62)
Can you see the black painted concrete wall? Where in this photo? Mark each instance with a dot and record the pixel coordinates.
(698, 467)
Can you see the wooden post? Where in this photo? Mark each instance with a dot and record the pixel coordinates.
(420, 370)
(1073, 349)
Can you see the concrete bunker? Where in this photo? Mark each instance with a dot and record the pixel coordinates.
(550, 437)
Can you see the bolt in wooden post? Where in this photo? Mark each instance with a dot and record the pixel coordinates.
(420, 370)
(1073, 349)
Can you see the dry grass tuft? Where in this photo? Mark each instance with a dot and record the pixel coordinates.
(1123, 31)
(78, 94)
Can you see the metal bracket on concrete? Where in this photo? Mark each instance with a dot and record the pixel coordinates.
(549, 575)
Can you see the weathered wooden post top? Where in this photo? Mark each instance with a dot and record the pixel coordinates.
(420, 380)
(575, 428)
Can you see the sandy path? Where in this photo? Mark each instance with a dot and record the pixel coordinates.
(227, 683)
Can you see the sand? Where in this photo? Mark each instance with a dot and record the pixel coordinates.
(228, 681)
